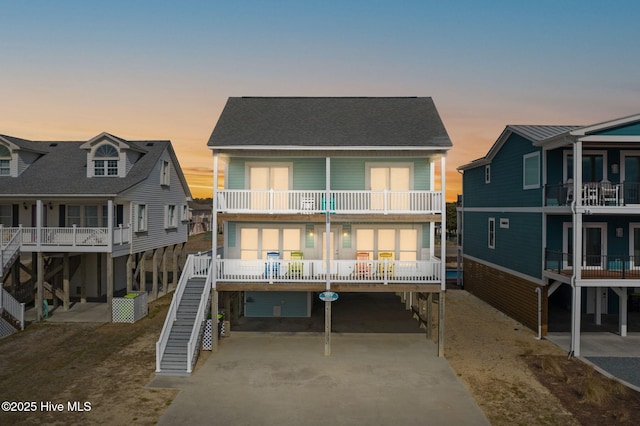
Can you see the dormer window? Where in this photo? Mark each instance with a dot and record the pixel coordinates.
(105, 161)
(5, 161)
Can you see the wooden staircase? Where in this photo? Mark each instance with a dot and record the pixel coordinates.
(174, 359)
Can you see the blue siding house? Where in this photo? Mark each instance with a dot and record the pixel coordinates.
(327, 194)
(520, 205)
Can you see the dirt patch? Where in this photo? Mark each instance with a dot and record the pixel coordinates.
(517, 379)
(106, 366)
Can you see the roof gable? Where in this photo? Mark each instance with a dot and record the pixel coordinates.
(533, 133)
(611, 127)
(61, 170)
(342, 122)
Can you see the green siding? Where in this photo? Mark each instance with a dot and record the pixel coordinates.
(309, 173)
(524, 232)
(232, 234)
(426, 236)
(628, 130)
(261, 303)
(308, 236)
(505, 188)
(346, 235)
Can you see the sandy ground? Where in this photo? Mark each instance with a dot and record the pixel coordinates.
(486, 349)
(110, 365)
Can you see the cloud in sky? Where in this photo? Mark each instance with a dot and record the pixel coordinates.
(164, 69)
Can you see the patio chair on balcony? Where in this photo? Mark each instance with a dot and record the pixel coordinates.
(363, 269)
(385, 267)
(272, 266)
(296, 269)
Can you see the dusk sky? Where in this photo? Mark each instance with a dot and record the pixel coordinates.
(164, 69)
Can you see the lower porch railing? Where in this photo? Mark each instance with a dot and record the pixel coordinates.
(356, 271)
(594, 266)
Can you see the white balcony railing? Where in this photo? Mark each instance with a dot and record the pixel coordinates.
(307, 271)
(75, 236)
(351, 202)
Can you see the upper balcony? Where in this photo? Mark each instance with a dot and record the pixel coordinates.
(65, 239)
(340, 202)
(600, 194)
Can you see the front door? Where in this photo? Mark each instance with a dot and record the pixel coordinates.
(594, 252)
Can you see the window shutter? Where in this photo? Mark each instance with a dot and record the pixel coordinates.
(62, 215)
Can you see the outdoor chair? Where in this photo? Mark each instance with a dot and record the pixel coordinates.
(296, 269)
(363, 269)
(385, 267)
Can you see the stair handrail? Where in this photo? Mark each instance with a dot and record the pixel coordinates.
(7, 251)
(192, 346)
(161, 344)
(11, 306)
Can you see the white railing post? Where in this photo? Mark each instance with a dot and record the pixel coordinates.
(74, 235)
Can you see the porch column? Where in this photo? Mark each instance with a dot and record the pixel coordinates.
(39, 216)
(65, 282)
(154, 265)
(598, 307)
(623, 311)
(327, 214)
(40, 287)
(214, 320)
(110, 224)
(174, 265)
(576, 309)
(130, 273)
(165, 273)
(443, 257)
(109, 286)
(214, 227)
(143, 273)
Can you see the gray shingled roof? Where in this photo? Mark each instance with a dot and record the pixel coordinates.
(405, 122)
(62, 170)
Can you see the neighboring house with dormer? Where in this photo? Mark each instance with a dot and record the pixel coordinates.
(517, 215)
(87, 212)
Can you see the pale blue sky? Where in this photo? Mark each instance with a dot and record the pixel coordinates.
(163, 69)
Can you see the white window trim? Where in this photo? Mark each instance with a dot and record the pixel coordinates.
(487, 173)
(165, 173)
(145, 219)
(524, 171)
(504, 222)
(249, 165)
(373, 165)
(91, 171)
(568, 152)
(170, 216)
(585, 225)
(11, 162)
(632, 226)
(491, 233)
(184, 215)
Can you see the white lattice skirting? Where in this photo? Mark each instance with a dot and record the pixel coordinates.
(129, 309)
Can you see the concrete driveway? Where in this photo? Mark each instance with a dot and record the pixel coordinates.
(263, 378)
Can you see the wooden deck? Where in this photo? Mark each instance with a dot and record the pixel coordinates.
(602, 274)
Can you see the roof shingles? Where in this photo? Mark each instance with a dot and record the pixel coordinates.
(329, 122)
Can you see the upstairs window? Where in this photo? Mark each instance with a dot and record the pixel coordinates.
(487, 173)
(106, 161)
(165, 173)
(5, 161)
(531, 171)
